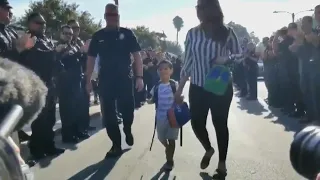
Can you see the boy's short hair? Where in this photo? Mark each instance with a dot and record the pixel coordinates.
(165, 62)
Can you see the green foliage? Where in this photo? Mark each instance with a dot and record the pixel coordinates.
(145, 37)
(254, 38)
(242, 32)
(178, 24)
(155, 40)
(57, 13)
(173, 48)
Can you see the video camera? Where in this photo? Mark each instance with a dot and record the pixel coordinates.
(305, 152)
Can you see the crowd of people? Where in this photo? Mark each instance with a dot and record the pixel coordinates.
(291, 69)
(60, 66)
(127, 76)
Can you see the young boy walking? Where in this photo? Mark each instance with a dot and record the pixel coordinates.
(163, 97)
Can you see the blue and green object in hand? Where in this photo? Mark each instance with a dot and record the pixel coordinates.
(218, 79)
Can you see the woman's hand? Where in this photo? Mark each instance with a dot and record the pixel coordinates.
(178, 97)
(221, 59)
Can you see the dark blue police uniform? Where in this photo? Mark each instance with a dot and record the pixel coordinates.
(114, 48)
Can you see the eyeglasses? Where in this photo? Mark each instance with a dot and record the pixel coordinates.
(111, 14)
(67, 33)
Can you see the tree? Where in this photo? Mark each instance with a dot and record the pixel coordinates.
(145, 37)
(173, 48)
(178, 24)
(57, 13)
(155, 40)
(254, 38)
(242, 32)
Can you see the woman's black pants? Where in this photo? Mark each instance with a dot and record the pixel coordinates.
(200, 102)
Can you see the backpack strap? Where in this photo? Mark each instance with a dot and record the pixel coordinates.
(155, 101)
(155, 94)
(173, 85)
(174, 90)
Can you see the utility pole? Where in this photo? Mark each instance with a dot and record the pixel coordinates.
(293, 15)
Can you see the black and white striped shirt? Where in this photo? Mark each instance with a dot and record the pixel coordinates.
(201, 51)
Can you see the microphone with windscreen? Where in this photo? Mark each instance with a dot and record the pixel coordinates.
(22, 96)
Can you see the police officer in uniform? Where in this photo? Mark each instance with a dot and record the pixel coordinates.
(41, 59)
(10, 45)
(84, 122)
(114, 45)
(69, 86)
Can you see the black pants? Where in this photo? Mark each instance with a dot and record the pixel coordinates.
(70, 93)
(200, 103)
(251, 77)
(241, 79)
(122, 93)
(42, 137)
(84, 120)
(95, 89)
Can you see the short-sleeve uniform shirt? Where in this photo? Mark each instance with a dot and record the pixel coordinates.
(114, 48)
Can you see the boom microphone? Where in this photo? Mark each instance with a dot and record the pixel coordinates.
(20, 86)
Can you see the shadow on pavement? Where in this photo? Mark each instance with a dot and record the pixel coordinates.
(98, 170)
(161, 175)
(95, 120)
(47, 161)
(252, 107)
(290, 124)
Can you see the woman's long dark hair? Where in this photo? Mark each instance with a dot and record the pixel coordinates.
(220, 31)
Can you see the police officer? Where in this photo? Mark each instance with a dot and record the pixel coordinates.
(114, 45)
(10, 45)
(41, 59)
(251, 65)
(69, 86)
(84, 122)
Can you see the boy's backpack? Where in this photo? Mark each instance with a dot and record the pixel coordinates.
(156, 89)
(155, 100)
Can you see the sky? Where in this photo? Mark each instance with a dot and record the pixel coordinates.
(255, 15)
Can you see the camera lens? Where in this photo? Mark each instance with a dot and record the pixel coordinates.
(305, 152)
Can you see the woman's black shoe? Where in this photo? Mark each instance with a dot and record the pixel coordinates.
(219, 175)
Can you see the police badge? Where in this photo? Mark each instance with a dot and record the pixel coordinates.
(121, 36)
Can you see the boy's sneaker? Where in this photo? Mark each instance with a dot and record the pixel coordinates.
(168, 166)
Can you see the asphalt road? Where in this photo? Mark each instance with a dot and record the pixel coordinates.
(259, 150)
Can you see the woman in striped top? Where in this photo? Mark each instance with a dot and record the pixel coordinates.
(209, 43)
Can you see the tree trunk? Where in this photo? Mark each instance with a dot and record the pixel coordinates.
(177, 38)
